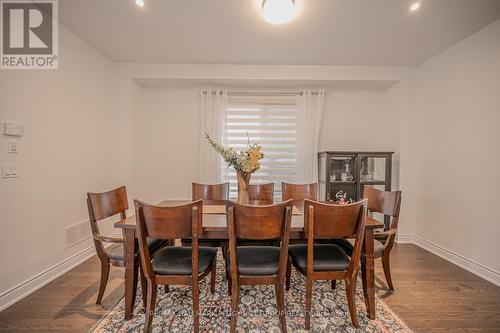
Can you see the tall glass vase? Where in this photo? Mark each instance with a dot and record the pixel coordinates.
(243, 182)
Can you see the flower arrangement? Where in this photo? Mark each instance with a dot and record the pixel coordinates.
(245, 162)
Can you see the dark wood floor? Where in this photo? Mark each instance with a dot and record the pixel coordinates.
(431, 295)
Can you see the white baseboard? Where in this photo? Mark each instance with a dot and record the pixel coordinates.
(34, 283)
(405, 239)
(469, 265)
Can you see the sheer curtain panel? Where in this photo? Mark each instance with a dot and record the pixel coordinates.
(212, 112)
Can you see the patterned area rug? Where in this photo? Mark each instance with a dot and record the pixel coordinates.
(257, 310)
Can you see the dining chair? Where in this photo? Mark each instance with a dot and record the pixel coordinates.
(261, 194)
(211, 194)
(100, 207)
(330, 261)
(179, 265)
(299, 192)
(386, 203)
(258, 265)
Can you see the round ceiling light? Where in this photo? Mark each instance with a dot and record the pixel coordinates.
(415, 6)
(278, 11)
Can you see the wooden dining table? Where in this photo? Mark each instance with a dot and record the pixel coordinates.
(215, 228)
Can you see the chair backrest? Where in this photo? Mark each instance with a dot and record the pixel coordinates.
(261, 194)
(174, 222)
(106, 204)
(250, 222)
(384, 202)
(211, 194)
(168, 222)
(334, 221)
(299, 192)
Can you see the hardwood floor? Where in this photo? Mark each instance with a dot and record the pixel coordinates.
(431, 295)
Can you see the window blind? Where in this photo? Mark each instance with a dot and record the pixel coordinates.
(270, 121)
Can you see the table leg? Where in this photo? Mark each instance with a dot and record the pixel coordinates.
(369, 274)
(130, 272)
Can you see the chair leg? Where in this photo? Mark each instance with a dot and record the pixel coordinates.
(280, 301)
(387, 270)
(234, 305)
(196, 306)
(144, 286)
(288, 274)
(104, 280)
(223, 248)
(350, 288)
(213, 276)
(150, 307)
(363, 281)
(334, 284)
(229, 283)
(309, 285)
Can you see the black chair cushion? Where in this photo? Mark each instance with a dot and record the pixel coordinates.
(154, 244)
(176, 260)
(258, 260)
(327, 257)
(116, 252)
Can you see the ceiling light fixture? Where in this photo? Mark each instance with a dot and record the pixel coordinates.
(415, 6)
(139, 3)
(278, 11)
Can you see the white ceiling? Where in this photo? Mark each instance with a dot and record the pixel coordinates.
(326, 32)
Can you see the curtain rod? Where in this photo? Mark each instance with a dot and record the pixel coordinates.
(266, 93)
(259, 93)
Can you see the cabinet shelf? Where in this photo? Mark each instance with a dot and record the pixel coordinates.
(372, 182)
(343, 182)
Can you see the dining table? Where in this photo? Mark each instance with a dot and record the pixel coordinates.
(214, 227)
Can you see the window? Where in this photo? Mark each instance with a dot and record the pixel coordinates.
(272, 122)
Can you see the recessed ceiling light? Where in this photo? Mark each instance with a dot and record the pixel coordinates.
(415, 6)
(278, 11)
(139, 3)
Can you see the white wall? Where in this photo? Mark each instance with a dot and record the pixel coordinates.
(458, 151)
(165, 144)
(76, 140)
(359, 120)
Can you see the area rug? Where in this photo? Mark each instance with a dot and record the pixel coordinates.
(257, 311)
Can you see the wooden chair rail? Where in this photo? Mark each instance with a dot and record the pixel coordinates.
(106, 239)
(386, 233)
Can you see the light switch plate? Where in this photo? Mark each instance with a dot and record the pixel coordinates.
(13, 128)
(10, 170)
(13, 146)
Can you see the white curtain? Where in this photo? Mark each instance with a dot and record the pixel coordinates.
(212, 113)
(311, 108)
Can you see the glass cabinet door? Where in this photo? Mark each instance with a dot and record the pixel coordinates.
(342, 169)
(343, 179)
(373, 169)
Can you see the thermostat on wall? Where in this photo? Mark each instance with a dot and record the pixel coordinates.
(13, 128)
